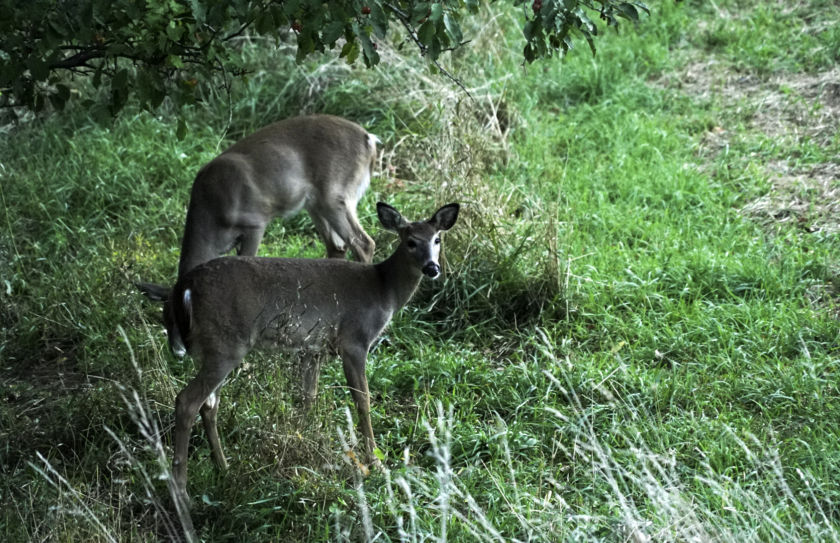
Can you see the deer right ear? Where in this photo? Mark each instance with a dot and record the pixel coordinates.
(445, 217)
(390, 217)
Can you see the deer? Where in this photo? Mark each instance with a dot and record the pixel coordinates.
(221, 310)
(321, 163)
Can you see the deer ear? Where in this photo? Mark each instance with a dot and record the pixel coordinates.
(445, 217)
(389, 217)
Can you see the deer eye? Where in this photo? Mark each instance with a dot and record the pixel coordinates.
(411, 244)
(437, 241)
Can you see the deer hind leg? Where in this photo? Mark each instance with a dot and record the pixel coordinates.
(353, 360)
(190, 400)
(208, 417)
(340, 228)
(361, 244)
(336, 248)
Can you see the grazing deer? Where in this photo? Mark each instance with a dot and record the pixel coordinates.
(224, 308)
(318, 162)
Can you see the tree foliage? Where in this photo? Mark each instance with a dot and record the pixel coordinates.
(155, 49)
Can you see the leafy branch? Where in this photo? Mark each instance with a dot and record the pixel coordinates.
(157, 49)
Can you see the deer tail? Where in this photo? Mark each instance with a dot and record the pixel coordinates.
(178, 319)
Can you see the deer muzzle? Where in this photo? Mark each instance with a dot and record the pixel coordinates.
(432, 269)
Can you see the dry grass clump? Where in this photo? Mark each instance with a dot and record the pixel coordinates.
(798, 108)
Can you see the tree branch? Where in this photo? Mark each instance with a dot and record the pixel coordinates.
(403, 19)
(79, 59)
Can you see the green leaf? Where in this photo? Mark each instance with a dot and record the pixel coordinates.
(453, 28)
(174, 31)
(175, 61)
(199, 11)
(434, 48)
(426, 33)
(378, 20)
(38, 69)
(181, 131)
(628, 11)
(590, 41)
(332, 32)
(350, 51)
(436, 12)
(528, 30)
(264, 23)
(120, 80)
(419, 11)
(371, 57)
(528, 53)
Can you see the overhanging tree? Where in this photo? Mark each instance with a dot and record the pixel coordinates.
(158, 48)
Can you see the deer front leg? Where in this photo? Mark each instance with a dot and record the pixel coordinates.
(197, 395)
(354, 359)
(249, 240)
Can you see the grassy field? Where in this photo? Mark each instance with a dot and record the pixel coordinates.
(637, 337)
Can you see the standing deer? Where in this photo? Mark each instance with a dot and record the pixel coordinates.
(318, 162)
(223, 309)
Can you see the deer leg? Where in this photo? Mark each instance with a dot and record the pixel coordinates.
(187, 406)
(311, 372)
(353, 359)
(204, 239)
(250, 240)
(335, 244)
(208, 417)
(361, 244)
(345, 226)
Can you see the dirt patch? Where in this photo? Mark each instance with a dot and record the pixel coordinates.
(800, 106)
(788, 108)
(810, 199)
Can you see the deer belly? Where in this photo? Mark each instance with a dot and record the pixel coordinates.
(294, 332)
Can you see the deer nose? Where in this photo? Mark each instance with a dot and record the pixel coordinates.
(432, 269)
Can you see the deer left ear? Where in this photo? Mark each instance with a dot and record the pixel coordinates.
(390, 217)
(445, 217)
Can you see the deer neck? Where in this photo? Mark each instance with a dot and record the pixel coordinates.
(400, 277)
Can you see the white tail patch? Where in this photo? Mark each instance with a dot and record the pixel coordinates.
(177, 343)
(188, 307)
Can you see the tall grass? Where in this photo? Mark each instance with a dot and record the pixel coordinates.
(618, 351)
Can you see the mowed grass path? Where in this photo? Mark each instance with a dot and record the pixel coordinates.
(637, 337)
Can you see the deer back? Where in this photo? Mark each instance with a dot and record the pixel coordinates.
(302, 158)
(233, 304)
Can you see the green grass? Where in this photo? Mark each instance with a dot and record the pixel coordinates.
(637, 335)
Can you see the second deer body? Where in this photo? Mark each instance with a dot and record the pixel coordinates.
(320, 163)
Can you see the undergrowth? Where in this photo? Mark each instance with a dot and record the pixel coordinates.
(622, 347)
